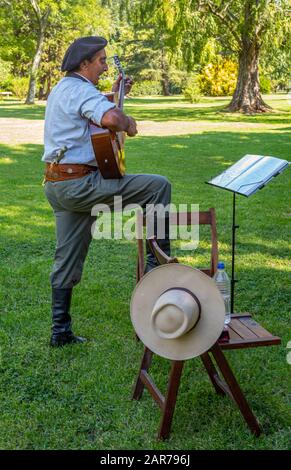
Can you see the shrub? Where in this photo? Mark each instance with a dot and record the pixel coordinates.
(192, 90)
(146, 87)
(105, 84)
(6, 85)
(177, 82)
(218, 79)
(5, 76)
(265, 84)
(19, 86)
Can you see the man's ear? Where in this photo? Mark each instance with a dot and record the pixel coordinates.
(84, 65)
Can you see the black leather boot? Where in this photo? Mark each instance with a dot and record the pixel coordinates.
(61, 330)
(164, 244)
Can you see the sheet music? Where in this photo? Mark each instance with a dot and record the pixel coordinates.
(249, 174)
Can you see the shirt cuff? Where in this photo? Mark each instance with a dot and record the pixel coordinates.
(98, 114)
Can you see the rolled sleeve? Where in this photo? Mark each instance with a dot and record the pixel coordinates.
(94, 105)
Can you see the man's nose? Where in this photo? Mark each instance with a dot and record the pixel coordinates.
(105, 67)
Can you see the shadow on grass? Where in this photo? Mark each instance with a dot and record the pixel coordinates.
(21, 111)
(187, 161)
(207, 113)
(156, 100)
(209, 110)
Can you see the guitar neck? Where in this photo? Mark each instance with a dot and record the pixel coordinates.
(121, 93)
(121, 84)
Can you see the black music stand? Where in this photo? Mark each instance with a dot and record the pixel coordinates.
(246, 177)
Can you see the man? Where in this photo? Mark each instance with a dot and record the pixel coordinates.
(74, 184)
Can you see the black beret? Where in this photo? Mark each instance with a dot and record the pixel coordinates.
(82, 49)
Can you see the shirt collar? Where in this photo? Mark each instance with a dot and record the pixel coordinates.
(80, 75)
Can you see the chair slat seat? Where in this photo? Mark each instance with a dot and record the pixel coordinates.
(245, 332)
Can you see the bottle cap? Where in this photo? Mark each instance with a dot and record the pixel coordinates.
(220, 265)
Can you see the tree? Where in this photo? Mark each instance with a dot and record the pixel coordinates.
(146, 54)
(34, 35)
(240, 26)
(146, 50)
(16, 37)
(75, 19)
(247, 25)
(25, 23)
(58, 23)
(42, 18)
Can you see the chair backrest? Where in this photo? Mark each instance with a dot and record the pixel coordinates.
(180, 218)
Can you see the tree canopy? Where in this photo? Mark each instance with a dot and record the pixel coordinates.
(242, 29)
(163, 43)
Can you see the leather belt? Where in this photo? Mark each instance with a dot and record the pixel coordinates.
(66, 171)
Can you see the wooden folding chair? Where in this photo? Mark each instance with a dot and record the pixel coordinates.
(243, 332)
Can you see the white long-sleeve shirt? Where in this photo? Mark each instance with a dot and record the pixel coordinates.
(71, 103)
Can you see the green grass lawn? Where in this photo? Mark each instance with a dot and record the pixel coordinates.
(78, 397)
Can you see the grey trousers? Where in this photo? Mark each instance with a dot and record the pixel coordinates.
(72, 202)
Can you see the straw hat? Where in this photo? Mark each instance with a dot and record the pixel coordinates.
(177, 311)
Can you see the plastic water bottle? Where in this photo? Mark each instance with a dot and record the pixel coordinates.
(223, 283)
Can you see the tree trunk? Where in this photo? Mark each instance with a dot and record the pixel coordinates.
(247, 97)
(48, 86)
(34, 69)
(165, 84)
(165, 76)
(42, 25)
(41, 88)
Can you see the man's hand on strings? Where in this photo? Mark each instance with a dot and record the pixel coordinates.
(127, 85)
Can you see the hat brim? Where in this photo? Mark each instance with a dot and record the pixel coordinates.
(208, 329)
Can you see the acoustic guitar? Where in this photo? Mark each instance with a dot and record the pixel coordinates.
(108, 145)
